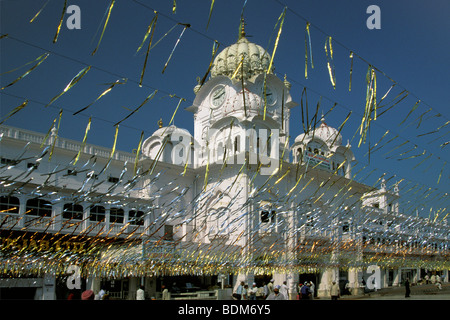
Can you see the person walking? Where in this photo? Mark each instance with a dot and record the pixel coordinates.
(238, 293)
(335, 291)
(407, 289)
(270, 286)
(305, 291)
(245, 293)
(312, 288)
(265, 291)
(252, 291)
(284, 290)
(165, 293)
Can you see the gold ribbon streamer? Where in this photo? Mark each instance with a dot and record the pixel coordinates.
(371, 104)
(73, 82)
(210, 12)
(440, 174)
(101, 95)
(14, 111)
(88, 127)
(113, 150)
(176, 44)
(330, 64)
(150, 97)
(36, 15)
(280, 22)
(308, 40)
(40, 59)
(138, 151)
(60, 22)
(215, 49)
(104, 26)
(410, 111)
(151, 31)
(351, 71)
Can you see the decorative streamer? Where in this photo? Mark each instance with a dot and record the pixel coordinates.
(308, 41)
(104, 26)
(56, 135)
(60, 22)
(113, 150)
(14, 111)
(410, 111)
(243, 86)
(304, 120)
(176, 109)
(88, 127)
(275, 46)
(210, 13)
(186, 25)
(351, 71)
(39, 60)
(174, 6)
(73, 82)
(265, 96)
(112, 85)
(36, 15)
(330, 63)
(215, 49)
(149, 98)
(440, 174)
(371, 104)
(151, 31)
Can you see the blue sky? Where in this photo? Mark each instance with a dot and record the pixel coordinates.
(411, 48)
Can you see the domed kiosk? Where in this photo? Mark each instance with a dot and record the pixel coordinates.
(169, 144)
(322, 147)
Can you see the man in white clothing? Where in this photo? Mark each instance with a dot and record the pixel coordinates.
(276, 295)
(284, 290)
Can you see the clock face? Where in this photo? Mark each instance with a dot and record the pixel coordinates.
(271, 96)
(218, 97)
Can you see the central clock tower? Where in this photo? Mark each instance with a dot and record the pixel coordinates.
(241, 95)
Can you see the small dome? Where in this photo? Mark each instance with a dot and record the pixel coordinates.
(166, 131)
(325, 133)
(256, 60)
(328, 134)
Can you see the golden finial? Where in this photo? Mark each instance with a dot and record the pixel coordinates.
(160, 123)
(242, 29)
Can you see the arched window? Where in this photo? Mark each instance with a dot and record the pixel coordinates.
(39, 207)
(116, 215)
(136, 217)
(97, 213)
(72, 211)
(9, 204)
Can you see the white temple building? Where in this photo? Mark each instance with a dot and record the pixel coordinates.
(231, 202)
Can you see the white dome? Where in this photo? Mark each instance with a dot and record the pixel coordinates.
(330, 136)
(166, 131)
(256, 60)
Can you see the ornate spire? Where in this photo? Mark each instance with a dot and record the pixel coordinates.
(242, 29)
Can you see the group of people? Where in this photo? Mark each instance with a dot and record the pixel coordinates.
(270, 291)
